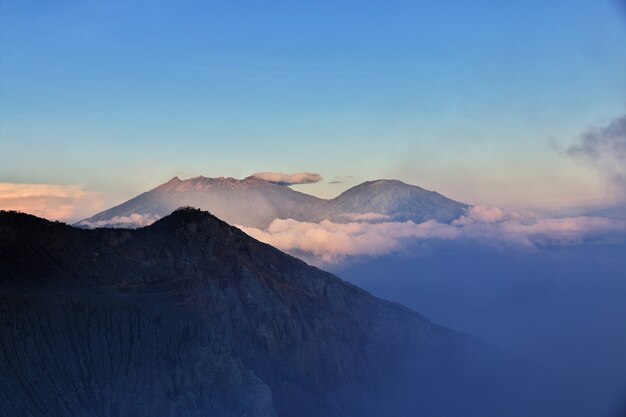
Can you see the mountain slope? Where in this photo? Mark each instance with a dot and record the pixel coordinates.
(192, 317)
(247, 202)
(392, 199)
(255, 202)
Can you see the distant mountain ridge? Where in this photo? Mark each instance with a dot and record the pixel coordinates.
(255, 202)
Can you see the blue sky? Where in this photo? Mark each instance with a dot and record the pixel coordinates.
(461, 97)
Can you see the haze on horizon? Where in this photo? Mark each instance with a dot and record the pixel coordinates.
(484, 103)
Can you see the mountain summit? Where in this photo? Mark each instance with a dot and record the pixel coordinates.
(251, 201)
(255, 202)
(393, 200)
(192, 317)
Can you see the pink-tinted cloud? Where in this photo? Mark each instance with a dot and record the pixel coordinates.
(54, 202)
(289, 179)
(330, 242)
(487, 214)
(533, 233)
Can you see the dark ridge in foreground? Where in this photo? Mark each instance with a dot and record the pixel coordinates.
(191, 317)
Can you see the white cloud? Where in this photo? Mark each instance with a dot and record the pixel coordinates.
(132, 221)
(534, 233)
(488, 214)
(330, 242)
(288, 179)
(364, 217)
(54, 202)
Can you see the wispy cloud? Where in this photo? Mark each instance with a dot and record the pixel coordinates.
(54, 202)
(132, 221)
(341, 179)
(364, 217)
(330, 242)
(289, 179)
(605, 149)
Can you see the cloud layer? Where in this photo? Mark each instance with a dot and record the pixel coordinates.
(124, 222)
(289, 179)
(330, 242)
(54, 202)
(364, 217)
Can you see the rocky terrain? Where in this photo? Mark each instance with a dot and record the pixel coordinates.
(191, 317)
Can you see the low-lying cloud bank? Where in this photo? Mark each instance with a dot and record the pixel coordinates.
(331, 242)
(123, 222)
(54, 202)
(289, 179)
(364, 217)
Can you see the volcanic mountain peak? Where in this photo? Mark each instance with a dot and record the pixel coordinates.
(184, 217)
(255, 202)
(202, 183)
(174, 180)
(381, 187)
(394, 199)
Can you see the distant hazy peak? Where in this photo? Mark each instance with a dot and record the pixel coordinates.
(385, 183)
(201, 183)
(172, 182)
(256, 202)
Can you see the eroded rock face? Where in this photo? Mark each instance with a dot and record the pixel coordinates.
(191, 317)
(117, 355)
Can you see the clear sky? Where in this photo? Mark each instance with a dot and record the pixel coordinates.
(462, 97)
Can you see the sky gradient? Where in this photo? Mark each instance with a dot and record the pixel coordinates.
(474, 100)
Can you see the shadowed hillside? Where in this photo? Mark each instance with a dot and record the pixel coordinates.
(191, 317)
